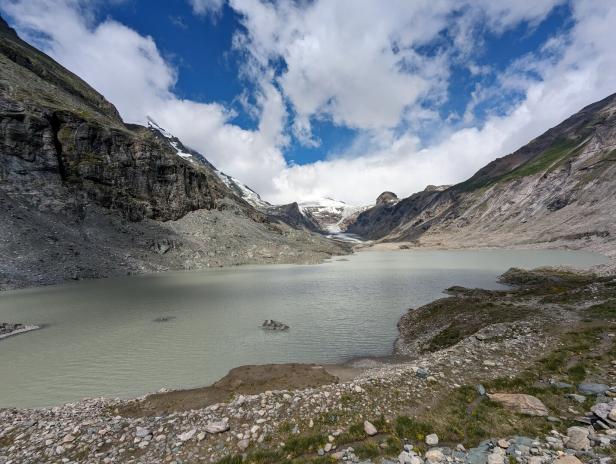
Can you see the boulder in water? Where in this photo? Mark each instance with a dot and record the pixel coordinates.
(270, 324)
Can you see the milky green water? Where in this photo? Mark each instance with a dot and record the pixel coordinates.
(101, 339)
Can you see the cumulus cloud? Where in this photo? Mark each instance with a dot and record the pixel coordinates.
(382, 69)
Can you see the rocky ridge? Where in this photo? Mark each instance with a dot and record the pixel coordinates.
(558, 190)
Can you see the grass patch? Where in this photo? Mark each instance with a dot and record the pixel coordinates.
(550, 157)
(368, 450)
(577, 373)
(297, 446)
(234, 459)
(606, 310)
(407, 428)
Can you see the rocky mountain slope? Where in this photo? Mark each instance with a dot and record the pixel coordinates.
(82, 194)
(558, 189)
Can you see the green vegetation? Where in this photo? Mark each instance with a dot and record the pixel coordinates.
(301, 444)
(559, 151)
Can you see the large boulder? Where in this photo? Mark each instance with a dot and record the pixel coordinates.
(578, 438)
(520, 403)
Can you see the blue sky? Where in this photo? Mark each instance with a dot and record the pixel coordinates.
(345, 99)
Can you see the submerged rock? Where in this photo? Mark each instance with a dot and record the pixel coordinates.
(164, 319)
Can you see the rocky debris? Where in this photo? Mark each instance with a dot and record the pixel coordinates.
(7, 329)
(521, 403)
(270, 324)
(432, 439)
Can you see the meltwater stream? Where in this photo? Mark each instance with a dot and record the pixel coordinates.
(101, 337)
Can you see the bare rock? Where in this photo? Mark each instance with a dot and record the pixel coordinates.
(520, 403)
(578, 438)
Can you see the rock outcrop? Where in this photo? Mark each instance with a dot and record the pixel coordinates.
(386, 198)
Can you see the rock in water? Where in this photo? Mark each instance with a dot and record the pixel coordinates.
(270, 324)
(370, 429)
(520, 403)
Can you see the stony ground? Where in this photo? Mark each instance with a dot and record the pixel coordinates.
(56, 243)
(448, 385)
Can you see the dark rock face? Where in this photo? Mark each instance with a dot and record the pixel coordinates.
(291, 215)
(386, 197)
(63, 139)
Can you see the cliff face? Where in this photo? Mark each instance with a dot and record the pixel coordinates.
(82, 194)
(58, 137)
(559, 187)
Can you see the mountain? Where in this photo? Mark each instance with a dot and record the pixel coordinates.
(331, 216)
(558, 189)
(83, 194)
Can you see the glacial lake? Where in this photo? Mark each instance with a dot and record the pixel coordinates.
(101, 337)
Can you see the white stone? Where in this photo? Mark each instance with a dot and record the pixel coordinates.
(434, 455)
(370, 429)
(187, 435)
(217, 427)
(243, 444)
(142, 432)
(432, 439)
(496, 458)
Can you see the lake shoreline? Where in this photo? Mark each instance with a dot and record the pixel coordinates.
(252, 422)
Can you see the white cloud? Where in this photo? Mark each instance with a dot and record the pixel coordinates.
(354, 62)
(205, 7)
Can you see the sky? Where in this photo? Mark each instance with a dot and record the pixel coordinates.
(308, 99)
